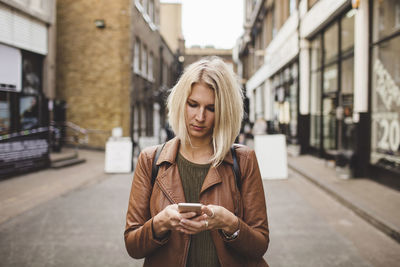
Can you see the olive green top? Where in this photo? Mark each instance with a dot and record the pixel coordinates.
(202, 249)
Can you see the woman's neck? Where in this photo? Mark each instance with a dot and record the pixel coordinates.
(197, 153)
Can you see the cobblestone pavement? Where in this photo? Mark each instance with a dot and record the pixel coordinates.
(84, 227)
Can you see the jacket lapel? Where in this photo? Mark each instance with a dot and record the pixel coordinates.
(212, 178)
(169, 179)
(171, 184)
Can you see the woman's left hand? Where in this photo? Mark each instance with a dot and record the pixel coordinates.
(213, 217)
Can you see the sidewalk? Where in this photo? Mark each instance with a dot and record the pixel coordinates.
(22, 193)
(377, 204)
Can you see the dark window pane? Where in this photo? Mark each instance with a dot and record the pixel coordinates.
(329, 118)
(348, 76)
(331, 78)
(348, 31)
(29, 112)
(5, 116)
(331, 46)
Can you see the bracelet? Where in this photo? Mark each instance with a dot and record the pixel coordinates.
(230, 237)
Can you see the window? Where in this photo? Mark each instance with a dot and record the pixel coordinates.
(386, 19)
(5, 116)
(144, 61)
(315, 92)
(347, 33)
(331, 99)
(28, 112)
(385, 96)
(331, 44)
(137, 61)
(150, 69)
(151, 10)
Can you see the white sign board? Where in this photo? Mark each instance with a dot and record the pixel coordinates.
(271, 155)
(118, 155)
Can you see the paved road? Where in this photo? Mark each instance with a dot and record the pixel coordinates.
(84, 228)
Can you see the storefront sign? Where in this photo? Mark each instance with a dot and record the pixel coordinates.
(385, 116)
(23, 153)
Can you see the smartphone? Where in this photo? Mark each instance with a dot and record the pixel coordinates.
(188, 207)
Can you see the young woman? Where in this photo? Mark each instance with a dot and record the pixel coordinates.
(205, 112)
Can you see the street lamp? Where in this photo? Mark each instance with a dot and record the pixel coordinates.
(100, 23)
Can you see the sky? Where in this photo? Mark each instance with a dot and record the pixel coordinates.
(211, 22)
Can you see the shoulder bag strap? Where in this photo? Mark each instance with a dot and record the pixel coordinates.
(236, 168)
(154, 167)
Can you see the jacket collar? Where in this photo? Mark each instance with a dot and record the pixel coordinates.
(171, 149)
(168, 154)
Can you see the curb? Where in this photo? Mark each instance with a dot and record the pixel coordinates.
(363, 213)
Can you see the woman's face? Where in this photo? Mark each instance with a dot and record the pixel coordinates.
(200, 113)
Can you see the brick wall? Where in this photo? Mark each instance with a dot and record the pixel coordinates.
(94, 65)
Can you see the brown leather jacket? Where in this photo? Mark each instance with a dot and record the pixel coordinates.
(219, 188)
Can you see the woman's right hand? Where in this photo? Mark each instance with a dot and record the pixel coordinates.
(169, 219)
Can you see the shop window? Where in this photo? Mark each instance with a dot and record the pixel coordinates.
(293, 96)
(347, 83)
(329, 122)
(331, 44)
(331, 102)
(315, 109)
(31, 73)
(386, 19)
(347, 32)
(5, 115)
(331, 78)
(28, 112)
(30, 116)
(386, 101)
(315, 92)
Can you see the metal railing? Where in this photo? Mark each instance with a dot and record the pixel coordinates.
(69, 133)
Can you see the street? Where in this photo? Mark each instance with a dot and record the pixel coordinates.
(84, 227)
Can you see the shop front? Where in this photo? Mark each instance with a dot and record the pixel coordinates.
(285, 102)
(385, 87)
(332, 130)
(24, 131)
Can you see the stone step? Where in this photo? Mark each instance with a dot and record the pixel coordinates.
(67, 162)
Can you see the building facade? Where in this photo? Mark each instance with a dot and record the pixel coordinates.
(319, 72)
(193, 54)
(27, 79)
(113, 63)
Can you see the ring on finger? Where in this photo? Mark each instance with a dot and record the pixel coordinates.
(206, 224)
(212, 213)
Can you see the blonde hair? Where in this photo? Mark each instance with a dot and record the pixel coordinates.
(217, 75)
